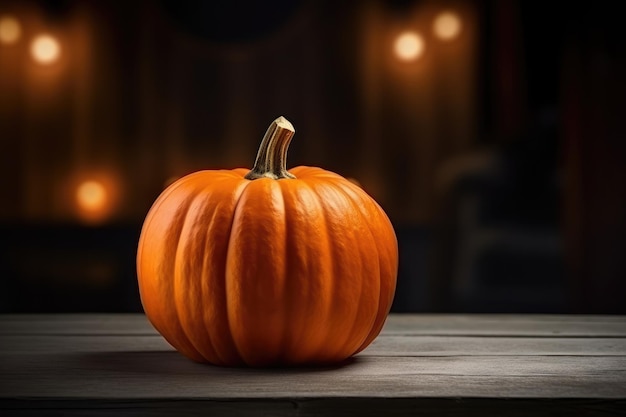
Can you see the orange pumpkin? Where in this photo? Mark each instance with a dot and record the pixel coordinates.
(268, 266)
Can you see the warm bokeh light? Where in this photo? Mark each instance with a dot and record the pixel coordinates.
(91, 195)
(45, 49)
(409, 46)
(10, 29)
(96, 197)
(447, 25)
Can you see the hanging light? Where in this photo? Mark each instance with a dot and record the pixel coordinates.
(45, 49)
(10, 29)
(409, 46)
(447, 25)
(96, 197)
(91, 195)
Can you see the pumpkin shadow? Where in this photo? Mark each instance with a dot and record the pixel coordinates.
(170, 362)
(140, 362)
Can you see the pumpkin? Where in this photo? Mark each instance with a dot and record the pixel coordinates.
(268, 266)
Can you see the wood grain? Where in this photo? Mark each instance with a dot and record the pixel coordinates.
(434, 364)
(302, 407)
(384, 345)
(128, 375)
(404, 324)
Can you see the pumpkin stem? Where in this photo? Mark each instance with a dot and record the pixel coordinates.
(271, 160)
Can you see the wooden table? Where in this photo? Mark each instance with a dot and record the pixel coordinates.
(505, 365)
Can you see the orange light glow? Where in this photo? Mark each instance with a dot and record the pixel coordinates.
(10, 29)
(447, 25)
(96, 197)
(91, 195)
(409, 46)
(45, 49)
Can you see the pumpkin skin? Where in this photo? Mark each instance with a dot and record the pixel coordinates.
(263, 272)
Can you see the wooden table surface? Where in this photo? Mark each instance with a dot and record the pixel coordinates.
(95, 364)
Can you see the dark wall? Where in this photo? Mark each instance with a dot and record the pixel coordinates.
(500, 156)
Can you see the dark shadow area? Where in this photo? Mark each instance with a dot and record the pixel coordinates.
(149, 362)
(173, 363)
(68, 268)
(497, 147)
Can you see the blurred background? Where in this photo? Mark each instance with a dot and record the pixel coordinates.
(491, 131)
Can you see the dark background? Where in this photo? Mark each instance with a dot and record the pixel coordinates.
(499, 155)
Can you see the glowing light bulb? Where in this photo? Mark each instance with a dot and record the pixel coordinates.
(409, 46)
(447, 25)
(10, 29)
(45, 49)
(91, 196)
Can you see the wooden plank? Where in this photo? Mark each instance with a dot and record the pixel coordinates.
(397, 324)
(126, 374)
(382, 346)
(435, 364)
(362, 407)
(500, 346)
(502, 325)
(81, 324)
